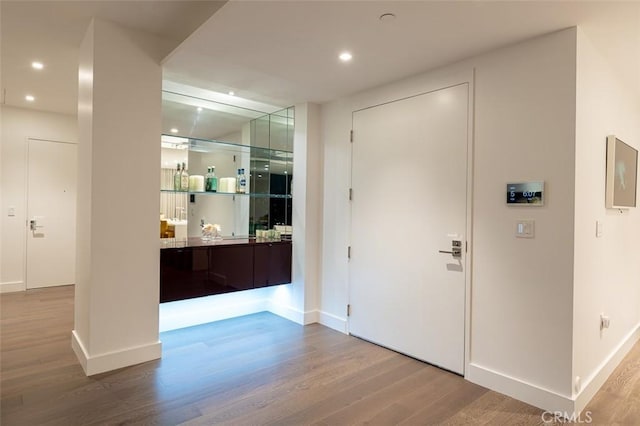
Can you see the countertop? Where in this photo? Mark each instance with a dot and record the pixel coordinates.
(172, 243)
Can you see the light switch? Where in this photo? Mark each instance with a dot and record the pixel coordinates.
(599, 228)
(525, 228)
(12, 211)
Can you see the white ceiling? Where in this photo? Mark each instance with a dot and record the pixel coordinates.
(51, 32)
(284, 52)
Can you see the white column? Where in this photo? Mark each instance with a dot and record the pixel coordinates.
(299, 301)
(312, 199)
(119, 123)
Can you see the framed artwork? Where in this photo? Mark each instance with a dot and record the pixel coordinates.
(622, 174)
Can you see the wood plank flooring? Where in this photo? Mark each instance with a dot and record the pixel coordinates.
(254, 370)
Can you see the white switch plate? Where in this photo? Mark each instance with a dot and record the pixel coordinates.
(12, 211)
(525, 228)
(599, 229)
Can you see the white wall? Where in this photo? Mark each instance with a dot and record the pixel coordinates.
(521, 325)
(522, 288)
(606, 269)
(18, 124)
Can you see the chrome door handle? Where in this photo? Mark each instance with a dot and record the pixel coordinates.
(456, 249)
(33, 225)
(455, 252)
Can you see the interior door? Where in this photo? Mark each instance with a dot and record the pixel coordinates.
(409, 180)
(51, 213)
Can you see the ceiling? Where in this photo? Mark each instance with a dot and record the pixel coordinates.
(51, 32)
(284, 52)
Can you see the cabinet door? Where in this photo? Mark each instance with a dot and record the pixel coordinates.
(183, 273)
(231, 268)
(261, 264)
(272, 264)
(280, 263)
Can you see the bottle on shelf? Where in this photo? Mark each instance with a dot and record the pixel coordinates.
(177, 185)
(241, 182)
(207, 180)
(214, 180)
(184, 178)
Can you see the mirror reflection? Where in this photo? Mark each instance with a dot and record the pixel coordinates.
(224, 165)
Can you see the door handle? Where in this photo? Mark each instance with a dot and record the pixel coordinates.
(456, 249)
(455, 252)
(33, 225)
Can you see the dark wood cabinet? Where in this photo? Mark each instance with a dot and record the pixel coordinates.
(272, 264)
(183, 273)
(231, 267)
(261, 261)
(188, 272)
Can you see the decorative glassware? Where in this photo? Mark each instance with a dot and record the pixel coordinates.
(211, 232)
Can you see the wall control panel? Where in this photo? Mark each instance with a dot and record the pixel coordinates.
(525, 228)
(525, 193)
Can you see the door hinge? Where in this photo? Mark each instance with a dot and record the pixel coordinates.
(466, 246)
(349, 252)
(351, 136)
(349, 310)
(234, 158)
(350, 194)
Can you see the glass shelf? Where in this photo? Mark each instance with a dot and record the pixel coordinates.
(213, 137)
(252, 194)
(209, 145)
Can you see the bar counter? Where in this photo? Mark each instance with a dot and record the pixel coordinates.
(192, 267)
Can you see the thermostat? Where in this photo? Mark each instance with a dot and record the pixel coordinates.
(526, 193)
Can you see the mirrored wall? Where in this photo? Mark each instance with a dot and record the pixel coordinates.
(251, 155)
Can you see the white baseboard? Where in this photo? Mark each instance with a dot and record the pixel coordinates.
(292, 314)
(604, 370)
(549, 400)
(334, 322)
(12, 286)
(113, 360)
(518, 389)
(311, 317)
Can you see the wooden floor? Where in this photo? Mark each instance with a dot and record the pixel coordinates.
(254, 370)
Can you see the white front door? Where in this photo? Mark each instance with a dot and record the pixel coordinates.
(51, 213)
(409, 180)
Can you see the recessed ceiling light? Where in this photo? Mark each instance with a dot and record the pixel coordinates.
(37, 65)
(199, 109)
(231, 93)
(29, 98)
(387, 17)
(174, 130)
(345, 56)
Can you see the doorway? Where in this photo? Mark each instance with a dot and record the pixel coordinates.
(51, 213)
(408, 261)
